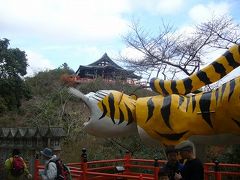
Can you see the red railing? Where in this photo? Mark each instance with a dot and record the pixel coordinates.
(219, 170)
(130, 168)
(108, 80)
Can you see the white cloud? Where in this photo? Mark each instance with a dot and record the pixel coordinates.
(203, 12)
(158, 6)
(64, 19)
(37, 63)
(169, 7)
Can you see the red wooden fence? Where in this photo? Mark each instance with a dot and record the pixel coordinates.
(130, 168)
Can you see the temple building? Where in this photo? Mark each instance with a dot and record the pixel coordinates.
(107, 69)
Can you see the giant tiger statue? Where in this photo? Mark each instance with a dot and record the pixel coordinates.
(171, 117)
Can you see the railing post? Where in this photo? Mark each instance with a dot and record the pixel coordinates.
(84, 164)
(36, 170)
(206, 174)
(156, 168)
(127, 158)
(218, 175)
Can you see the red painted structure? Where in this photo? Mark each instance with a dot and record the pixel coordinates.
(134, 169)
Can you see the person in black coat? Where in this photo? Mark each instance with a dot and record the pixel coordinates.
(193, 167)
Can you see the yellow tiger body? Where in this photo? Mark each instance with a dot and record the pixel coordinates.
(203, 114)
(172, 118)
(175, 118)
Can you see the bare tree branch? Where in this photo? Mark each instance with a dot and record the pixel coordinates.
(172, 52)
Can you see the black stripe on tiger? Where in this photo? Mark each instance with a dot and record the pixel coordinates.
(121, 116)
(232, 87)
(217, 95)
(181, 100)
(161, 84)
(219, 68)
(174, 87)
(188, 100)
(188, 85)
(203, 77)
(172, 137)
(205, 102)
(130, 116)
(223, 89)
(230, 59)
(193, 103)
(237, 122)
(104, 110)
(166, 110)
(152, 84)
(111, 106)
(150, 106)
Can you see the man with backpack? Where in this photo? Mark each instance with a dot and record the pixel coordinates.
(16, 167)
(54, 168)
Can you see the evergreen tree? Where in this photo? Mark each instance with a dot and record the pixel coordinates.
(13, 65)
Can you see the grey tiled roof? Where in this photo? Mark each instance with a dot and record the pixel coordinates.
(109, 65)
(106, 59)
(32, 132)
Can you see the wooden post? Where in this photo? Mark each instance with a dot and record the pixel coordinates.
(218, 175)
(156, 168)
(36, 170)
(127, 158)
(206, 174)
(84, 163)
(206, 171)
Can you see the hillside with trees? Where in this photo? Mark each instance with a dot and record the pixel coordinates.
(51, 105)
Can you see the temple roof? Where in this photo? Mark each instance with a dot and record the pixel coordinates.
(32, 132)
(106, 63)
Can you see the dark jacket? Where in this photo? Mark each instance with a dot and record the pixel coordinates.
(171, 168)
(193, 170)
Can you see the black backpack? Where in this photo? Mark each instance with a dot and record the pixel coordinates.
(63, 172)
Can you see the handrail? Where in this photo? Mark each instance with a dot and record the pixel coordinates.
(105, 161)
(223, 164)
(83, 170)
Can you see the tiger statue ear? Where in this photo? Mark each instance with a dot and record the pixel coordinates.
(133, 96)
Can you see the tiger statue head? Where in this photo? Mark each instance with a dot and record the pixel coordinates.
(110, 116)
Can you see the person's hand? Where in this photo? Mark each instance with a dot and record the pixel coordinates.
(177, 176)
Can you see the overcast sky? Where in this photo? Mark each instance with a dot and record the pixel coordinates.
(79, 32)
